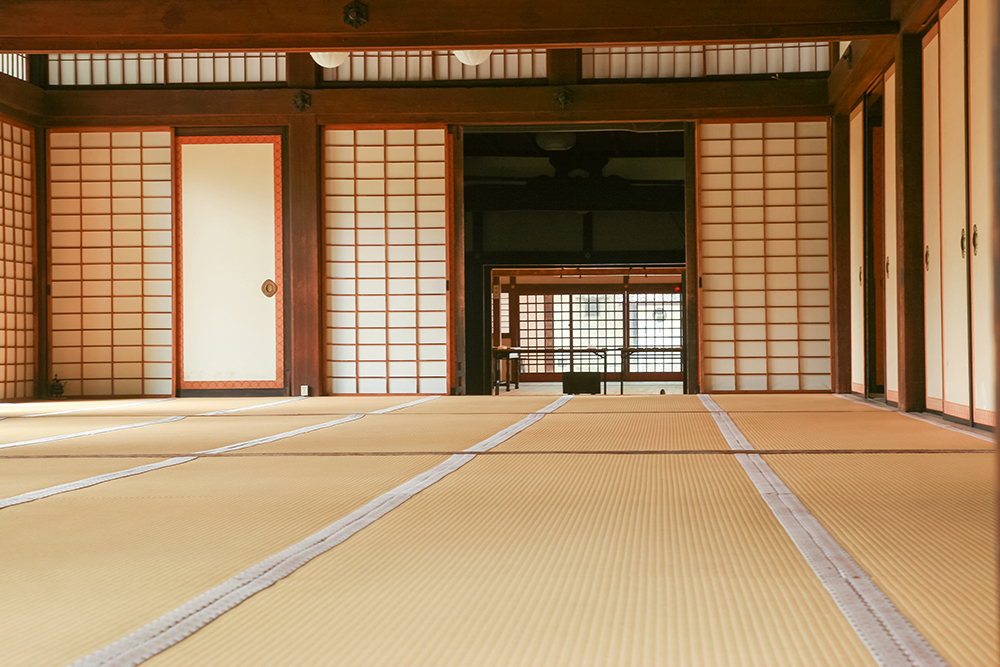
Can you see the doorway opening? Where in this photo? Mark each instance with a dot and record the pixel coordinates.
(578, 234)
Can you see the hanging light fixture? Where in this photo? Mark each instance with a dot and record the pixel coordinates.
(472, 58)
(329, 59)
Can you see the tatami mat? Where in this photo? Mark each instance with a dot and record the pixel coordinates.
(185, 436)
(19, 429)
(608, 432)
(857, 430)
(482, 404)
(398, 432)
(924, 527)
(323, 405)
(19, 476)
(789, 403)
(113, 557)
(66, 406)
(655, 403)
(551, 560)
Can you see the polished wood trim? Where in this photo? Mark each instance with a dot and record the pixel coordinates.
(849, 80)
(302, 25)
(692, 339)
(840, 252)
(564, 66)
(593, 103)
(457, 255)
(306, 269)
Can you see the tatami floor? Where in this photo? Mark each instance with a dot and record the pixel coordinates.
(726, 530)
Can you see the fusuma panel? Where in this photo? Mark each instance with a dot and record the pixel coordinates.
(386, 240)
(111, 268)
(384, 66)
(764, 256)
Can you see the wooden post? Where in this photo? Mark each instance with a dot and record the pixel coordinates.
(304, 297)
(41, 280)
(563, 66)
(840, 252)
(457, 281)
(910, 223)
(692, 344)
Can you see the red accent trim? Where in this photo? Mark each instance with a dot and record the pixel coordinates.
(956, 410)
(279, 381)
(986, 417)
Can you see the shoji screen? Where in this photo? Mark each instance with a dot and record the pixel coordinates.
(857, 249)
(764, 246)
(386, 260)
(111, 272)
(891, 265)
(17, 269)
(982, 14)
(372, 66)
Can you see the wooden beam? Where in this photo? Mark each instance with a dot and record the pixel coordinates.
(840, 244)
(21, 101)
(305, 303)
(47, 26)
(301, 71)
(507, 105)
(850, 79)
(564, 66)
(910, 224)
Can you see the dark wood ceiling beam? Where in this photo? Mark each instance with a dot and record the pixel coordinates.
(591, 103)
(871, 57)
(42, 26)
(21, 100)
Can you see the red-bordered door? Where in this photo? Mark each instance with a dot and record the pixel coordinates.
(229, 250)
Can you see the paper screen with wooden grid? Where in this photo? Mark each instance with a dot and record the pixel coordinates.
(118, 69)
(377, 66)
(17, 269)
(15, 65)
(111, 265)
(856, 270)
(764, 247)
(685, 60)
(385, 226)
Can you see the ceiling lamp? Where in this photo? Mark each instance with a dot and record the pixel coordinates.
(472, 58)
(555, 141)
(330, 59)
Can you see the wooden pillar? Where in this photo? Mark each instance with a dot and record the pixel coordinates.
(41, 207)
(563, 66)
(840, 252)
(300, 70)
(910, 223)
(304, 296)
(692, 279)
(457, 280)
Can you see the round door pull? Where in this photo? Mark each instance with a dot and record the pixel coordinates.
(861, 276)
(963, 244)
(886, 267)
(269, 288)
(927, 257)
(975, 240)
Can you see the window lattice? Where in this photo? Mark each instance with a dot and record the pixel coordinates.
(655, 321)
(373, 66)
(689, 61)
(15, 65)
(117, 69)
(17, 345)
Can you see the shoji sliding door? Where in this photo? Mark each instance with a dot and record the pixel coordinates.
(386, 266)
(982, 14)
(764, 256)
(932, 222)
(111, 266)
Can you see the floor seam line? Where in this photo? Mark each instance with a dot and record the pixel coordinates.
(896, 642)
(178, 624)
